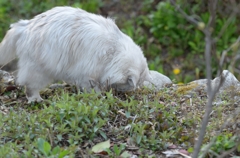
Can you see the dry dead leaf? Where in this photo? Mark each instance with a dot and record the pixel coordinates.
(100, 147)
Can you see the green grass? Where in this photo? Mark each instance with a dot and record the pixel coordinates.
(69, 123)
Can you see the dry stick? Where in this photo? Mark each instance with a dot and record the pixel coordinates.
(224, 53)
(221, 81)
(223, 29)
(228, 152)
(212, 9)
(50, 137)
(237, 57)
(189, 18)
(208, 47)
(225, 26)
(211, 94)
(216, 89)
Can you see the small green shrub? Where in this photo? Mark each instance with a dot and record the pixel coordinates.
(176, 38)
(71, 120)
(173, 31)
(46, 150)
(170, 29)
(222, 143)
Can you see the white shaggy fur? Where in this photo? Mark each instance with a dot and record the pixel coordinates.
(73, 45)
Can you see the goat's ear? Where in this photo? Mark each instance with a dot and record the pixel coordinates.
(131, 81)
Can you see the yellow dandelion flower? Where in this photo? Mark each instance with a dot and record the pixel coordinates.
(176, 71)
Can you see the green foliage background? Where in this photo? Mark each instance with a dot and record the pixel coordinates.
(168, 40)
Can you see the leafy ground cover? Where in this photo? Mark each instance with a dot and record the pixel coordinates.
(143, 123)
